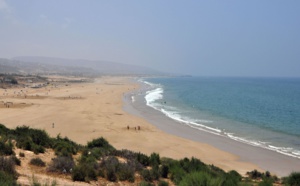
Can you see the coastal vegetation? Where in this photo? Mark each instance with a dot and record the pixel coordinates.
(100, 160)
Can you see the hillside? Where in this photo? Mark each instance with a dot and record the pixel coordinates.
(8, 66)
(101, 67)
(30, 154)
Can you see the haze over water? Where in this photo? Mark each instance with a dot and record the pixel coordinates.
(262, 112)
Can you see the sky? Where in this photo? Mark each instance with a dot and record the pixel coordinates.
(203, 38)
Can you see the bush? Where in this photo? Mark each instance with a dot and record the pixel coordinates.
(4, 130)
(16, 160)
(6, 148)
(146, 175)
(110, 166)
(266, 182)
(96, 153)
(37, 162)
(65, 147)
(125, 172)
(293, 179)
(111, 175)
(110, 162)
(7, 165)
(155, 172)
(99, 147)
(232, 178)
(61, 164)
(25, 142)
(38, 137)
(7, 179)
(143, 183)
(194, 165)
(124, 153)
(78, 174)
(135, 165)
(255, 174)
(154, 159)
(200, 179)
(163, 183)
(177, 174)
(100, 143)
(142, 159)
(164, 171)
(84, 172)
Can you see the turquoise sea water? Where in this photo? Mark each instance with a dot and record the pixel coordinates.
(262, 112)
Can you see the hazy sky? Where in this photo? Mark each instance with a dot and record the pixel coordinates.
(217, 38)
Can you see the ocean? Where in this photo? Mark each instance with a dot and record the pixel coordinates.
(263, 112)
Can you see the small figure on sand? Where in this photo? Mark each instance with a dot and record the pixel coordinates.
(52, 125)
(127, 127)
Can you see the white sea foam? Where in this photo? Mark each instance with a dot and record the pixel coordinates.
(153, 95)
(132, 99)
(209, 128)
(156, 94)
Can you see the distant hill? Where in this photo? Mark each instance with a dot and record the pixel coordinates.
(20, 67)
(101, 67)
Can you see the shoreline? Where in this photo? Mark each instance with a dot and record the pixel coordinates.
(86, 111)
(265, 159)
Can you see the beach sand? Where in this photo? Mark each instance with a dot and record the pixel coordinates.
(84, 111)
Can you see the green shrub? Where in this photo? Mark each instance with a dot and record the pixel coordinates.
(200, 179)
(110, 165)
(143, 183)
(96, 153)
(38, 137)
(110, 162)
(146, 175)
(143, 159)
(4, 130)
(293, 179)
(255, 174)
(7, 165)
(6, 148)
(164, 171)
(125, 172)
(111, 175)
(65, 147)
(266, 182)
(216, 171)
(154, 159)
(124, 153)
(37, 162)
(177, 174)
(26, 143)
(100, 143)
(163, 183)
(135, 165)
(87, 159)
(193, 165)
(155, 172)
(16, 160)
(78, 174)
(7, 179)
(231, 178)
(61, 164)
(84, 172)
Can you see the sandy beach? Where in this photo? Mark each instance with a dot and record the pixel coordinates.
(84, 111)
